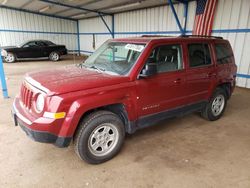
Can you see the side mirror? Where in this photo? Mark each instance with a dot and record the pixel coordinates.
(149, 70)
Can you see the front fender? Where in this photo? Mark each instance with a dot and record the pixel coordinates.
(80, 106)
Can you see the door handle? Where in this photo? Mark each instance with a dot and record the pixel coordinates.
(177, 81)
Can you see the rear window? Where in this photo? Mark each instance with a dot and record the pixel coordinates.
(49, 43)
(223, 53)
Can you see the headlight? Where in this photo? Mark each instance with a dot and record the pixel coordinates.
(40, 103)
(3, 53)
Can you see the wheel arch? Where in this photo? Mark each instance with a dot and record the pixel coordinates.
(13, 53)
(227, 88)
(117, 108)
(54, 51)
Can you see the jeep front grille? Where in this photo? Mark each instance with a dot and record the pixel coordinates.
(26, 96)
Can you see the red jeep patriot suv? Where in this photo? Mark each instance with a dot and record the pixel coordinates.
(127, 84)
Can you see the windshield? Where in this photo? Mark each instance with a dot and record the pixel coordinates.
(115, 57)
(21, 44)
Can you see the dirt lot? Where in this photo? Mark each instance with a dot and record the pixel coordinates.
(184, 152)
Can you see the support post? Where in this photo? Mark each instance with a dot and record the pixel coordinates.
(176, 17)
(105, 23)
(185, 15)
(113, 26)
(78, 38)
(3, 81)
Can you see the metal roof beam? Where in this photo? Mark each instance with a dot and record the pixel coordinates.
(120, 4)
(27, 3)
(111, 31)
(176, 16)
(39, 13)
(74, 7)
(185, 2)
(182, 1)
(83, 4)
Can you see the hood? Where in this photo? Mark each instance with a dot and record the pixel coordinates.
(8, 47)
(72, 78)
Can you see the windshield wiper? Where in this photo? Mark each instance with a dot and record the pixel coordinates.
(97, 68)
(81, 65)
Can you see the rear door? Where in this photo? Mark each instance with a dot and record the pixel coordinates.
(167, 89)
(201, 75)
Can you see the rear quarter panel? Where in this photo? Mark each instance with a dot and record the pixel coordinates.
(226, 72)
(60, 49)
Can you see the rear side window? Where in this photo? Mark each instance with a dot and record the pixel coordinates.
(199, 55)
(31, 44)
(40, 43)
(49, 43)
(223, 53)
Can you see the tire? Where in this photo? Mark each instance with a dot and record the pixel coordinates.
(54, 56)
(10, 58)
(216, 106)
(99, 137)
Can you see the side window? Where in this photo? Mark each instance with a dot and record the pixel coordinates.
(223, 53)
(199, 55)
(41, 44)
(30, 44)
(167, 57)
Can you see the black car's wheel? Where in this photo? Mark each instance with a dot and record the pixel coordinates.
(54, 56)
(10, 58)
(99, 137)
(216, 106)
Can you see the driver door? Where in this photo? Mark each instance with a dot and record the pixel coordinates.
(30, 50)
(166, 90)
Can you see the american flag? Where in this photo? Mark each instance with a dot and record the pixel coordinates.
(204, 17)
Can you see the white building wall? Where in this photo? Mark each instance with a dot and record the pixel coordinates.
(129, 24)
(159, 20)
(232, 21)
(17, 27)
(95, 26)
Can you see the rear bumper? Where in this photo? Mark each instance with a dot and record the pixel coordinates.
(36, 135)
(64, 52)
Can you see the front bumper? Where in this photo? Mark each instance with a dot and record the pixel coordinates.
(36, 135)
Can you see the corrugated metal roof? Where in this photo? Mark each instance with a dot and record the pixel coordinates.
(56, 8)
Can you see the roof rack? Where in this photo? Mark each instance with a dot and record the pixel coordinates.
(204, 36)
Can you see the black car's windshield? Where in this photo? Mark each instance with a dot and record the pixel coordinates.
(21, 44)
(115, 57)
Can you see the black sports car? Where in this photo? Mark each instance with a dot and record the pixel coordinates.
(33, 49)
